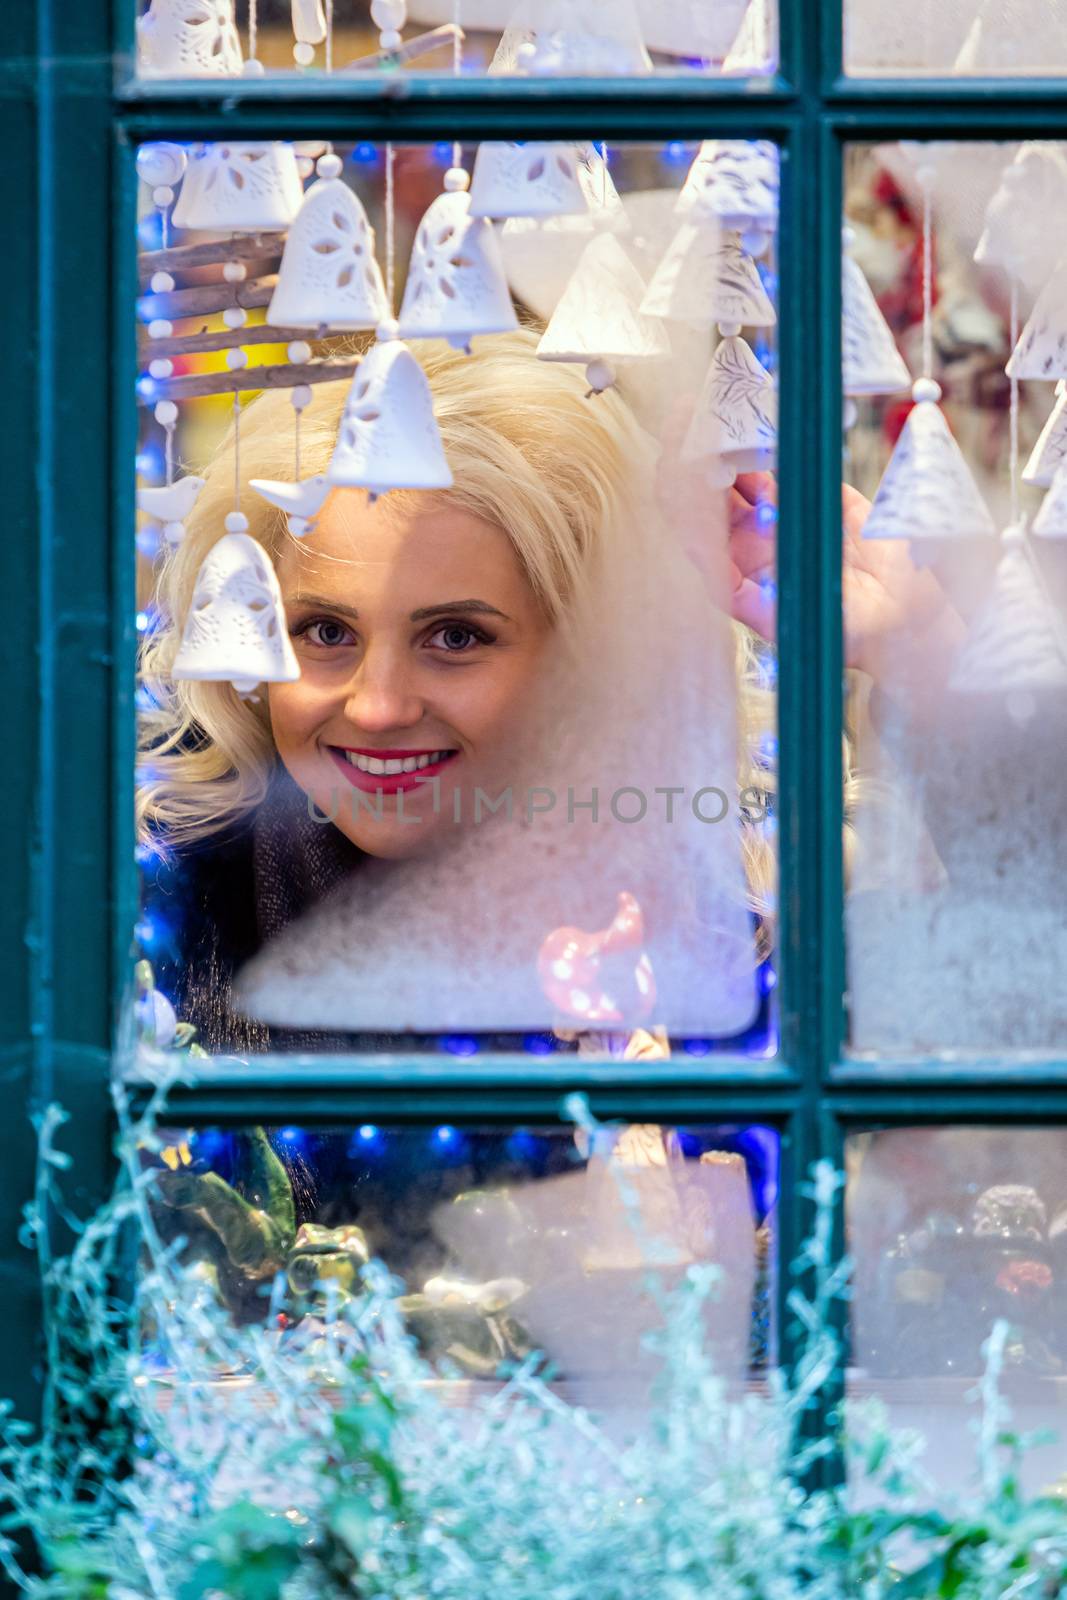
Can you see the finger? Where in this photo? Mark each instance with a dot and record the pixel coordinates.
(757, 487)
(754, 605)
(752, 552)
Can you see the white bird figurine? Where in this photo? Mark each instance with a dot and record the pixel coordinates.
(301, 502)
(171, 502)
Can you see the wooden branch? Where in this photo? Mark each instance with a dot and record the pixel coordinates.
(222, 339)
(210, 253)
(423, 44)
(248, 379)
(205, 299)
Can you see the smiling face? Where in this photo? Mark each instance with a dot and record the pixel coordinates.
(419, 640)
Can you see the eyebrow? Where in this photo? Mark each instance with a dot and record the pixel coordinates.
(446, 608)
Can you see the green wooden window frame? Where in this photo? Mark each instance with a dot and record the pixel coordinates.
(71, 114)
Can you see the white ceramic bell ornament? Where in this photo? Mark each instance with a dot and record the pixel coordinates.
(927, 492)
(1015, 646)
(599, 320)
(707, 278)
(870, 361)
(388, 438)
(1051, 519)
(540, 253)
(188, 39)
(1051, 447)
(456, 286)
(734, 427)
(235, 631)
(1042, 348)
(754, 51)
(329, 276)
(1016, 236)
(735, 182)
(575, 38)
(526, 180)
(240, 187)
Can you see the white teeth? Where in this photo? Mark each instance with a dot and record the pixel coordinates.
(379, 768)
(410, 763)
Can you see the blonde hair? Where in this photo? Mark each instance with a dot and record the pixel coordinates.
(528, 452)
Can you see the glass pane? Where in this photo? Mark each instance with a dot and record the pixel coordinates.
(951, 1230)
(234, 38)
(495, 763)
(505, 1240)
(955, 592)
(955, 38)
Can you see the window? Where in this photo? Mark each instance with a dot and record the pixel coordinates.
(812, 1067)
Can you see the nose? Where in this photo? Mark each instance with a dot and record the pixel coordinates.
(382, 694)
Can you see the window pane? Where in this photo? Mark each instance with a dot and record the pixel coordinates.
(955, 38)
(955, 591)
(213, 38)
(506, 1240)
(951, 1229)
(502, 769)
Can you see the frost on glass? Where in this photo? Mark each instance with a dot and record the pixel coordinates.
(506, 1242)
(312, 39)
(522, 787)
(952, 1231)
(956, 38)
(955, 595)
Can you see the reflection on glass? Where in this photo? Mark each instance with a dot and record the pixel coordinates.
(955, 592)
(507, 1241)
(227, 38)
(457, 690)
(951, 1230)
(955, 38)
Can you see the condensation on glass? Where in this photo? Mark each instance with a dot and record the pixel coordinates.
(598, 38)
(952, 1230)
(955, 591)
(502, 1242)
(955, 38)
(577, 637)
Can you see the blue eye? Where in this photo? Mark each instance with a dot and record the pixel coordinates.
(325, 631)
(456, 638)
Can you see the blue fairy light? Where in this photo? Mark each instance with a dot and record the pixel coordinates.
(149, 461)
(766, 514)
(460, 1044)
(769, 747)
(536, 1044)
(768, 588)
(365, 152)
(150, 231)
(523, 1145)
(697, 1047)
(142, 620)
(675, 152)
(768, 978)
(369, 1134)
(146, 931)
(146, 387)
(769, 279)
(442, 153)
(293, 1136)
(445, 1135)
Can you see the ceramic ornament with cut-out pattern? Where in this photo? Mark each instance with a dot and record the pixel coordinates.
(240, 187)
(189, 39)
(1016, 644)
(1051, 519)
(1016, 235)
(754, 51)
(388, 438)
(735, 182)
(573, 37)
(705, 278)
(927, 493)
(871, 363)
(540, 253)
(456, 287)
(236, 631)
(1042, 348)
(1051, 447)
(599, 320)
(735, 424)
(329, 276)
(526, 180)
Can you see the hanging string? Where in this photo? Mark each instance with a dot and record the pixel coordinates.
(329, 35)
(252, 29)
(1013, 414)
(457, 69)
(390, 227)
(237, 452)
(296, 440)
(604, 174)
(164, 227)
(925, 178)
(168, 452)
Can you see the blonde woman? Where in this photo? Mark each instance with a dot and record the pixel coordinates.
(536, 628)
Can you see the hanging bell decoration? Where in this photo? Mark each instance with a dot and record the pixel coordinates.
(735, 425)
(388, 437)
(1051, 447)
(599, 319)
(735, 182)
(706, 278)
(754, 52)
(526, 180)
(456, 287)
(575, 38)
(539, 254)
(1051, 519)
(1015, 235)
(242, 187)
(188, 39)
(1042, 348)
(329, 276)
(1015, 645)
(927, 492)
(870, 360)
(235, 631)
